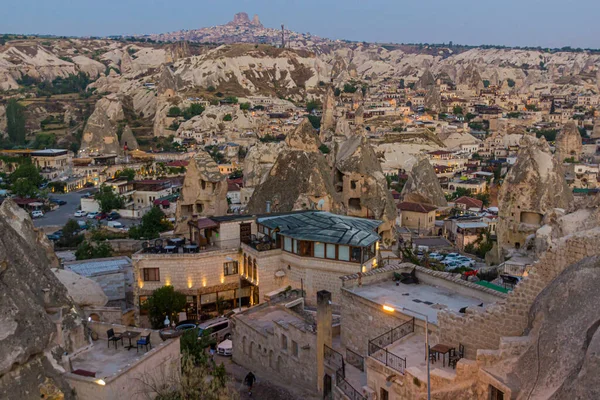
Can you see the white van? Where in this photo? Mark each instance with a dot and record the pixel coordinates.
(115, 224)
(37, 214)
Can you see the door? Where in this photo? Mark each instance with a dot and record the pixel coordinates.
(327, 386)
(245, 232)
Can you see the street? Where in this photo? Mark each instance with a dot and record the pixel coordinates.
(62, 214)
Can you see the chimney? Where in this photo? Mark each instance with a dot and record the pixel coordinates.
(324, 333)
(268, 209)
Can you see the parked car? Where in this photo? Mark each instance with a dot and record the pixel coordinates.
(58, 201)
(436, 256)
(113, 216)
(53, 237)
(82, 224)
(80, 213)
(100, 216)
(92, 215)
(59, 233)
(220, 328)
(114, 224)
(225, 348)
(37, 214)
(452, 255)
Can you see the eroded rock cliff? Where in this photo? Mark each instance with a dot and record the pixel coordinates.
(422, 185)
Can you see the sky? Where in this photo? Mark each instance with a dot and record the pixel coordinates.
(546, 23)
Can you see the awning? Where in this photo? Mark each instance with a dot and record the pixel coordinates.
(159, 202)
(204, 223)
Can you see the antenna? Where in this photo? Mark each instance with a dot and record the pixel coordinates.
(282, 36)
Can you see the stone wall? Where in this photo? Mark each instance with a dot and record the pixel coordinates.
(483, 329)
(262, 353)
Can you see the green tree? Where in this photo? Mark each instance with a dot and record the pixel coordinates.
(87, 251)
(174, 112)
(484, 197)
(337, 92)
(15, 122)
(193, 110)
(44, 141)
(244, 106)
(313, 105)
(350, 88)
(71, 236)
(227, 118)
(211, 88)
(460, 192)
(315, 121)
(324, 149)
(108, 199)
(457, 110)
(486, 83)
(25, 181)
(165, 301)
(153, 223)
(127, 173)
(510, 83)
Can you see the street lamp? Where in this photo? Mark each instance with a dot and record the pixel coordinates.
(404, 309)
(240, 289)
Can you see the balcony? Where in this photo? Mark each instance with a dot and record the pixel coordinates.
(263, 243)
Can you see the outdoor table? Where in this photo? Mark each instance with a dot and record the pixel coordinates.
(442, 349)
(170, 249)
(130, 335)
(190, 248)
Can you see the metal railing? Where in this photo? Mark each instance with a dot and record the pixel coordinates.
(377, 347)
(355, 359)
(346, 387)
(393, 335)
(334, 359)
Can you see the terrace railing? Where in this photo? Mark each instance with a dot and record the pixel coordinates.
(355, 359)
(377, 347)
(335, 359)
(346, 387)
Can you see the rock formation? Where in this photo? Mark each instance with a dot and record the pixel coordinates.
(300, 178)
(259, 161)
(471, 78)
(433, 99)
(328, 119)
(100, 133)
(422, 185)
(359, 119)
(363, 186)
(568, 143)
(204, 192)
(426, 80)
(560, 357)
(83, 291)
(595, 132)
(534, 186)
(38, 320)
(128, 139)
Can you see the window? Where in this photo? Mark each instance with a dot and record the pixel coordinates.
(331, 251)
(384, 395)
(344, 253)
(295, 246)
(294, 348)
(230, 268)
(219, 327)
(287, 244)
(283, 342)
(305, 248)
(495, 394)
(151, 274)
(355, 254)
(319, 250)
(143, 301)
(352, 184)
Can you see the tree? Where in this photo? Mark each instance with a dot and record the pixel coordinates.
(15, 121)
(227, 118)
(44, 141)
(460, 192)
(165, 301)
(127, 173)
(108, 199)
(313, 105)
(484, 197)
(510, 82)
(193, 110)
(457, 110)
(350, 88)
(153, 223)
(401, 85)
(25, 181)
(244, 106)
(87, 251)
(174, 112)
(337, 92)
(315, 121)
(71, 236)
(211, 88)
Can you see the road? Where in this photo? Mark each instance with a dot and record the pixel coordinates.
(61, 215)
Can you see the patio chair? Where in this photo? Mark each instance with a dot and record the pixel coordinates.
(433, 356)
(144, 341)
(453, 357)
(114, 337)
(158, 243)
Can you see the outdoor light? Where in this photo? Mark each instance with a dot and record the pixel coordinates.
(167, 322)
(388, 308)
(100, 382)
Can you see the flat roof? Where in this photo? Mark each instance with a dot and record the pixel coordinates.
(321, 226)
(472, 225)
(98, 266)
(263, 319)
(421, 298)
(432, 241)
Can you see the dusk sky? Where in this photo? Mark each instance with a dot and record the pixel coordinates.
(547, 23)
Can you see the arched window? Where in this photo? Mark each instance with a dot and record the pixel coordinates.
(245, 267)
(251, 349)
(254, 271)
(244, 349)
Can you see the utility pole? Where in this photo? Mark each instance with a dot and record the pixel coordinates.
(282, 37)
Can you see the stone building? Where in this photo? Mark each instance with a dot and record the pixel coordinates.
(204, 192)
(417, 216)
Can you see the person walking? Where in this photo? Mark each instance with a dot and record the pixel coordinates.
(249, 381)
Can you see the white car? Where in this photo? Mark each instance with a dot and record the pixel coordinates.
(436, 256)
(80, 213)
(37, 214)
(225, 348)
(92, 215)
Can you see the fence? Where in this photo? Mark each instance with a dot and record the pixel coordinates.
(377, 347)
(347, 388)
(334, 359)
(356, 360)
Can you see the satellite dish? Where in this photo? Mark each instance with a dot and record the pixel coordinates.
(320, 204)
